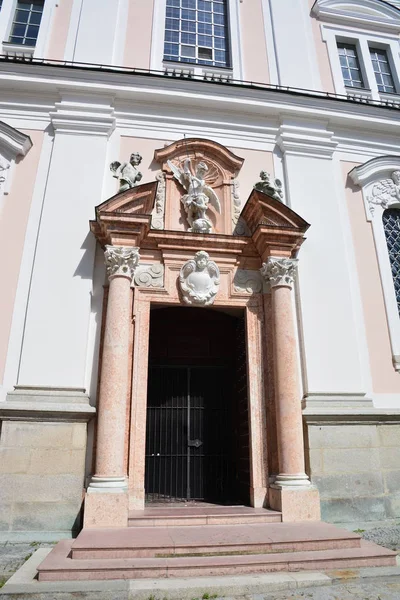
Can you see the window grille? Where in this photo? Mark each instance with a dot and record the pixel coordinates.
(391, 225)
(350, 65)
(196, 31)
(382, 71)
(25, 27)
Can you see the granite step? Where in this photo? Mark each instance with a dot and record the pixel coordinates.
(214, 515)
(59, 566)
(162, 542)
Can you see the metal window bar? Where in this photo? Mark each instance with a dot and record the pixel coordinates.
(383, 75)
(350, 65)
(196, 32)
(26, 23)
(391, 225)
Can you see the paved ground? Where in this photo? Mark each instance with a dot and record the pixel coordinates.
(13, 556)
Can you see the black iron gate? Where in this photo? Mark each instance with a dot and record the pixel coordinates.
(189, 434)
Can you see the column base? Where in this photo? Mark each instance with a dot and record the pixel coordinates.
(104, 484)
(105, 509)
(295, 504)
(299, 480)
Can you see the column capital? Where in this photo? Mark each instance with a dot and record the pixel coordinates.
(121, 261)
(280, 271)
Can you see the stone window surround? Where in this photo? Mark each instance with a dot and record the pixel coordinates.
(6, 20)
(157, 46)
(366, 176)
(362, 40)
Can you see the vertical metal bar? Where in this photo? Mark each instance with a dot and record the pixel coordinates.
(188, 437)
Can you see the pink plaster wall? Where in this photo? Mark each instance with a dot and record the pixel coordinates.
(14, 219)
(384, 377)
(139, 34)
(254, 49)
(322, 54)
(59, 32)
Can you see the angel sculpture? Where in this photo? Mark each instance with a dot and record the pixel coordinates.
(199, 194)
(128, 172)
(272, 188)
(199, 280)
(385, 192)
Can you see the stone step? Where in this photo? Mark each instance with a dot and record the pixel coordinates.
(58, 566)
(146, 542)
(222, 515)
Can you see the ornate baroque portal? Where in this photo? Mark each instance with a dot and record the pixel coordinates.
(189, 259)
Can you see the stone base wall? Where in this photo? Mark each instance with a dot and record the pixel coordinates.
(42, 467)
(357, 471)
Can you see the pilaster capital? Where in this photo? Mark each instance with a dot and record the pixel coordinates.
(121, 261)
(83, 116)
(306, 139)
(279, 271)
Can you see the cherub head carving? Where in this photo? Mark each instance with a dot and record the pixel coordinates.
(135, 159)
(201, 259)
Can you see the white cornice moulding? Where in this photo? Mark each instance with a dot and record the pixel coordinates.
(374, 169)
(369, 14)
(83, 117)
(306, 141)
(13, 142)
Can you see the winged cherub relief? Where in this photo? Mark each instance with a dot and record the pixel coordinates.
(198, 196)
(199, 280)
(385, 192)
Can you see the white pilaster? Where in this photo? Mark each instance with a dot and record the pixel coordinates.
(56, 333)
(331, 353)
(296, 61)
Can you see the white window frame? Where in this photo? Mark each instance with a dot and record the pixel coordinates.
(366, 176)
(6, 20)
(362, 40)
(157, 45)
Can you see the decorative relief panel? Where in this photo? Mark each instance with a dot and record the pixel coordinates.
(4, 171)
(199, 280)
(385, 192)
(247, 281)
(157, 217)
(149, 276)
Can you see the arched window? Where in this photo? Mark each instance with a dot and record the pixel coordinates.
(196, 31)
(391, 226)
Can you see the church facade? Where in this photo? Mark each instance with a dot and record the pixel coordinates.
(201, 291)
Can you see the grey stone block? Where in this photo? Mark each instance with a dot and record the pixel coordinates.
(349, 485)
(351, 460)
(392, 481)
(40, 488)
(390, 458)
(343, 436)
(389, 435)
(23, 434)
(48, 516)
(393, 506)
(352, 510)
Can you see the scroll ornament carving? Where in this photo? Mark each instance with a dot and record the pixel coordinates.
(127, 172)
(199, 280)
(4, 167)
(198, 196)
(149, 276)
(157, 217)
(269, 186)
(385, 192)
(247, 281)
(121, 261)
(280, 271)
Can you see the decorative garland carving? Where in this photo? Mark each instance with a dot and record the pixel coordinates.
(157, 217)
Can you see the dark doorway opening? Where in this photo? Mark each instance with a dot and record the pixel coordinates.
(197, 431)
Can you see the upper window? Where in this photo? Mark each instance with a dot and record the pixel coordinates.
(350, 65)
(383, 75)
(25, 26)
(196, 31)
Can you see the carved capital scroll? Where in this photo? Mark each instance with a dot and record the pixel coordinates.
(280, 271)
(121, 261)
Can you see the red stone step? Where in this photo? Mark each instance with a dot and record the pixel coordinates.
(58, 566)
(187, 515)
(215, 539)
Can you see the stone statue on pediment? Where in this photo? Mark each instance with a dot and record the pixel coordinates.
(127, 172)
(199, 280)
(269, 186)
(198, 196)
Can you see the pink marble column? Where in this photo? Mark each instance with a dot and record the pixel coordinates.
(110, 476)
(280, 273)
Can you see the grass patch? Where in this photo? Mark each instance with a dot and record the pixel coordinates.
(358, 531)
(2, 581)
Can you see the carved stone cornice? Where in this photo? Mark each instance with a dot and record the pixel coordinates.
(13, 142)
(280, 271)
(121, 261)
(304, 140)
(87, 116)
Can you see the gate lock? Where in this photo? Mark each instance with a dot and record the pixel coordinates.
(195, 443)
